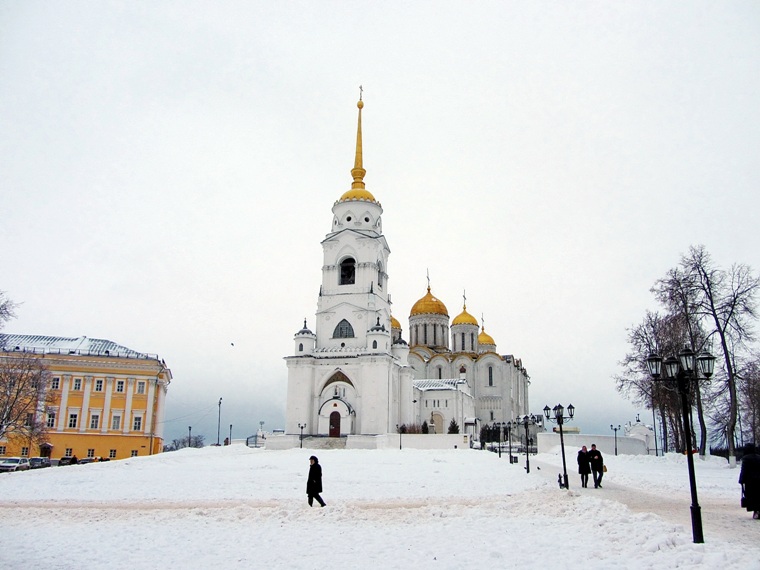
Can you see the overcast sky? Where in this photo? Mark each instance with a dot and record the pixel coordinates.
(168, 169)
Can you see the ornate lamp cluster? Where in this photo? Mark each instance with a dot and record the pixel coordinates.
(684, 369)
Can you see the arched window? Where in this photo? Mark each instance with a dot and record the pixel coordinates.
(380, 274)
(440, 372)
(348, 271)
(490, 375)
(374, 344)
(300, 347)
(343, 330)
(472, 341)
(462, 348)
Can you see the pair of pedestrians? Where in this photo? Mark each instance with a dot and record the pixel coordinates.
(591, 463)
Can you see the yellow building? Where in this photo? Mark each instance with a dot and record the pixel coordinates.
(106, 400)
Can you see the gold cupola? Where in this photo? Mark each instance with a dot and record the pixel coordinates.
(429, 305)
(464, 318)
(358, 192)
(485, 338)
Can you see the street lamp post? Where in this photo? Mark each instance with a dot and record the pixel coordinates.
(559, 418)
(189, 436)
(498, 427)
(219, 422)
(399, 435)
(230, 440)
(615, 429)
(301, 426)
(683, 370)
(509, 439)
(528, 421)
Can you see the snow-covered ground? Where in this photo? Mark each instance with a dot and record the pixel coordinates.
(234, 507)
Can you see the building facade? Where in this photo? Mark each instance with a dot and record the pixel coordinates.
(356, 375)
(105, 400)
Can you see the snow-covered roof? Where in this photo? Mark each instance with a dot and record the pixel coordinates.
(426, 384)
(68, 345)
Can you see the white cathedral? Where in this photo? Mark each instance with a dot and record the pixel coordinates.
(355, 375)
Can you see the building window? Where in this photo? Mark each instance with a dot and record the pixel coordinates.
(94, 421)
(77, 383)
(2, 450)
(472, 341)
(90, 453)
(490, 375)
(29, 420)
(134, 453)
(424, 334)
(24, 452)
(68, 452)
(440, 373)
(343, 330)
(300, 347)
(112, 454)
(51, 419)
(116, 422)
(98, 385)
(137, 425)
(55, 384)
(120, 386)
(374, 344)
(141, 387)
(347, 271)
(462, 347)
(491, 415)
(435, 335)
(73, 420)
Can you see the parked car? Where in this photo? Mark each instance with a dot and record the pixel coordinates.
(65, 461)
(85, 460)
(39, 462)
(14, 464)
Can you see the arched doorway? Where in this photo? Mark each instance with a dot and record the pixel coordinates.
(436, 423)
(334, 424)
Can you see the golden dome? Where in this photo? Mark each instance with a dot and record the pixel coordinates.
(394, 323)
(429, 305)
(485, 338)
(358, 194)
(464, 318)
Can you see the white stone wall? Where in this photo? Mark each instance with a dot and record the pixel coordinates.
(549, 443)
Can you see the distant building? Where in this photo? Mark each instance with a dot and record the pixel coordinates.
(356, 375)
(107, 400)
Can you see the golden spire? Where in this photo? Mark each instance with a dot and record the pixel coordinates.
(358, 171)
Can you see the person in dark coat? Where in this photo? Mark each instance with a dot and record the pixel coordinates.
(314, 483)
(597, 465)
(749, 477)
(584, 466)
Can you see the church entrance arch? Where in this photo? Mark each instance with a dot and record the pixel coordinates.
(334, 424)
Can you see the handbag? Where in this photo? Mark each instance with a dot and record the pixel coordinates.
(604, 468)
(743, 501)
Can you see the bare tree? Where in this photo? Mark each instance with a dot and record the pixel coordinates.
(24, 397)
(726, 300)
(7, 309)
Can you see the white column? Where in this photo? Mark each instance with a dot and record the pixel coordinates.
(149, 408)
(159, 413)
(127, 419)
(62, 419)
(107, 406)
(84, 422)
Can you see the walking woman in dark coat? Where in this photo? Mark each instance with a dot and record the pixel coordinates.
(750, 480)
(584, 466)
(314, 484)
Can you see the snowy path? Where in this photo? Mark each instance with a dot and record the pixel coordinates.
(722, 518)
(239, 508)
